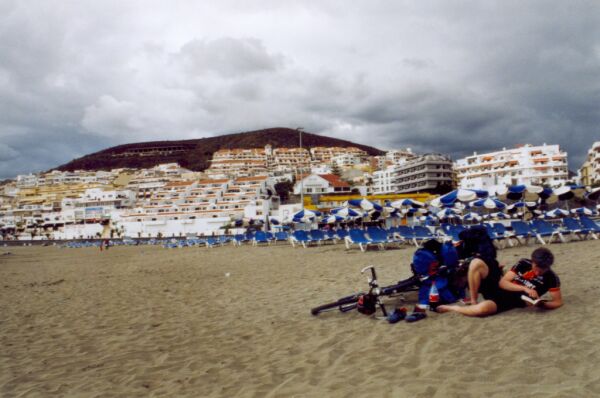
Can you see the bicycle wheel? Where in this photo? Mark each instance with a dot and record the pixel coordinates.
(344, 304)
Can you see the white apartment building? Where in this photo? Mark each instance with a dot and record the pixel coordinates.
(399, 156)
(200, 207)
(418, 174)
(27, 180)
(229, 163)
(589, 173)
(526, 164)
(233, 163)
(290, 160)
(347, 160)
(327, 154)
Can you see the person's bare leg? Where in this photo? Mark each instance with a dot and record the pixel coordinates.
(478, 270)
(487, 307)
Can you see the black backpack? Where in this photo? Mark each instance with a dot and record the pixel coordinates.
(475, 242)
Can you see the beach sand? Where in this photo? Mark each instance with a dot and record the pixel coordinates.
(147, 321)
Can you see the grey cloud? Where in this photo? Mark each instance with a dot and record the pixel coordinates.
(446, 77)
(111, 117)
(229, 57)
(7, 153)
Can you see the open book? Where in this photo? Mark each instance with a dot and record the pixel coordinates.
(528, 299)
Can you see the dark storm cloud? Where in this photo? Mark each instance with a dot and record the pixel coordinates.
(451, 77)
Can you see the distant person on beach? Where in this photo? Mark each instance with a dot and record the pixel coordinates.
(520, 287)
(104, 245)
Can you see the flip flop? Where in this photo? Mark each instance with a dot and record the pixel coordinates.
(416, 316)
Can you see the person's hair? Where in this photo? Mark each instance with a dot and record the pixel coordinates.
(542, 257)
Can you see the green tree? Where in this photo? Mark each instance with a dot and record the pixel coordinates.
(283, 190)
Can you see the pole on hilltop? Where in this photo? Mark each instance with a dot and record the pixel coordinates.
(299, 129)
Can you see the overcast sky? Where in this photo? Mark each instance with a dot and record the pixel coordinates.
(446, 76)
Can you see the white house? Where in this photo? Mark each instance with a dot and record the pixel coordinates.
(321, 184)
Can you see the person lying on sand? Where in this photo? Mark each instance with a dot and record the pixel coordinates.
(527, 279)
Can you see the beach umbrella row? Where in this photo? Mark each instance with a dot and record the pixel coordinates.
(459, 195)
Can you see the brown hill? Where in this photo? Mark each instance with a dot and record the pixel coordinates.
(196, 154)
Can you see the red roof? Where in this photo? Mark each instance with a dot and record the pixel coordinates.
(205, 182)
(335, 181)
(255, 178)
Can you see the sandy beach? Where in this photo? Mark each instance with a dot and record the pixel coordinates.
(235, 322)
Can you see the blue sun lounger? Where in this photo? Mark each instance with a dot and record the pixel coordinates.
(406, 233)
(261, 237)
(502, 231)
(316, 236)
(358, 237)
(575, 228)
(590, 224)
(300, 237)
(544, 229)
(212, 242)
(330, 236)
(281, 236)
(238, 239)
(378, 235)
(523, 232)
(422, 234)
(341, 234)
(495, 236)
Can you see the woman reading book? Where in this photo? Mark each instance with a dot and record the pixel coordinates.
(523, 285)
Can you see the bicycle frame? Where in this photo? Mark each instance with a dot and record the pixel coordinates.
(349, 303)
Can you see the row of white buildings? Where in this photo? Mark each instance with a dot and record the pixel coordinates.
(168, 200)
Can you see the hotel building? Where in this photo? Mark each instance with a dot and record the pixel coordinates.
(420, 173)
(590, 171)
(526, 164)
(327, 154)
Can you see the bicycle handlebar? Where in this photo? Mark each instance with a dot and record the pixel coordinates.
(373, 279)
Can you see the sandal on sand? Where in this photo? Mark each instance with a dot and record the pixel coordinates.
(397, 315)
(416, 316)
(466, 301)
